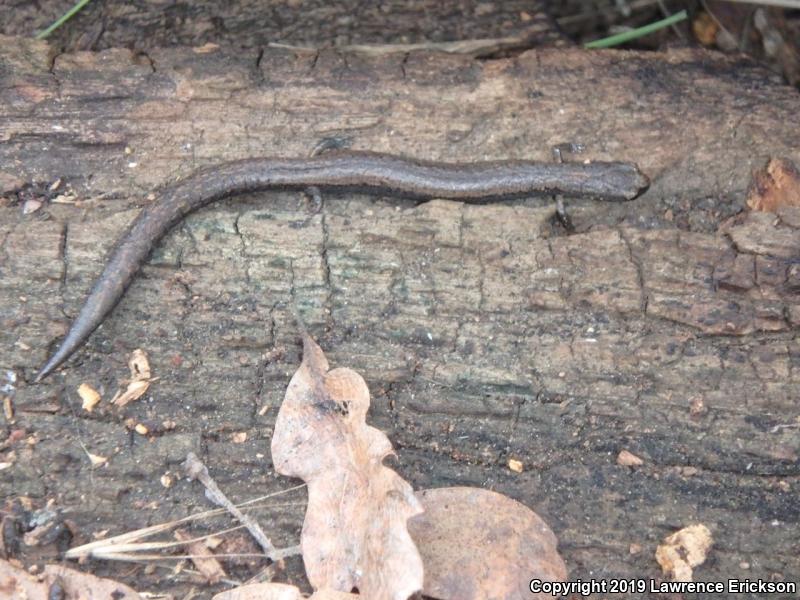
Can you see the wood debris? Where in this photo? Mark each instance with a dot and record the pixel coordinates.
(96, 459)
(774, 186)
(8, 409)
(17, 583)
(683, 550)
(515, 465)
(202, 557)
(90, 397)
(140, 379)
(628, 459)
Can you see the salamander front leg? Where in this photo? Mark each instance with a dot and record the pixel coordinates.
(312, 192)
(561, 209)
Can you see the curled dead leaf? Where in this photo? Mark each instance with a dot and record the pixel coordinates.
(481, 545)
(279, 591)
(355, 531)
(16, 583)
(684, 550)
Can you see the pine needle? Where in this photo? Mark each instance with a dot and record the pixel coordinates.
(633, 34)
(63, 19)
(114, 547)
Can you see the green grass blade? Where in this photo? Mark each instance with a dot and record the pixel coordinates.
(627, 36)
(64, 18)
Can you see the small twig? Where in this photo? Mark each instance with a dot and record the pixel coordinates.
(128, 541)
(195, 469)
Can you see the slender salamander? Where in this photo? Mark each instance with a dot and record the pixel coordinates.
(383, 173)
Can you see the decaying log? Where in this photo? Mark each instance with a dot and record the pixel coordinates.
(666, 326)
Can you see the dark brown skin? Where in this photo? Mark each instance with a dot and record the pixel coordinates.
(382, 173)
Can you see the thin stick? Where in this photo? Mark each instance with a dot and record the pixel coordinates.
(195, 469)
(102, 547)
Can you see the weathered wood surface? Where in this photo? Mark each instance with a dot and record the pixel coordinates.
(145, 24)
(483, 333)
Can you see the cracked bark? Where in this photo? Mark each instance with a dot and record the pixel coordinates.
(483, 333)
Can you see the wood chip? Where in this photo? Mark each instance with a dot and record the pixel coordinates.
(97, 460)
(89, 397)
(279, 591)
(140, 379)
(8, 409)
(774, 186)
(31, 206)
(628, 459)
(684, 550)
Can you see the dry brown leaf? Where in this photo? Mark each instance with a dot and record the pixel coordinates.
(628, 459)
(261, 591)
(202, 557)
(481, 545)
(774, 186)
(355, 532)
(90, 397)
(684, 550)
(279, 591)
(17, 583)
(140, 379)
